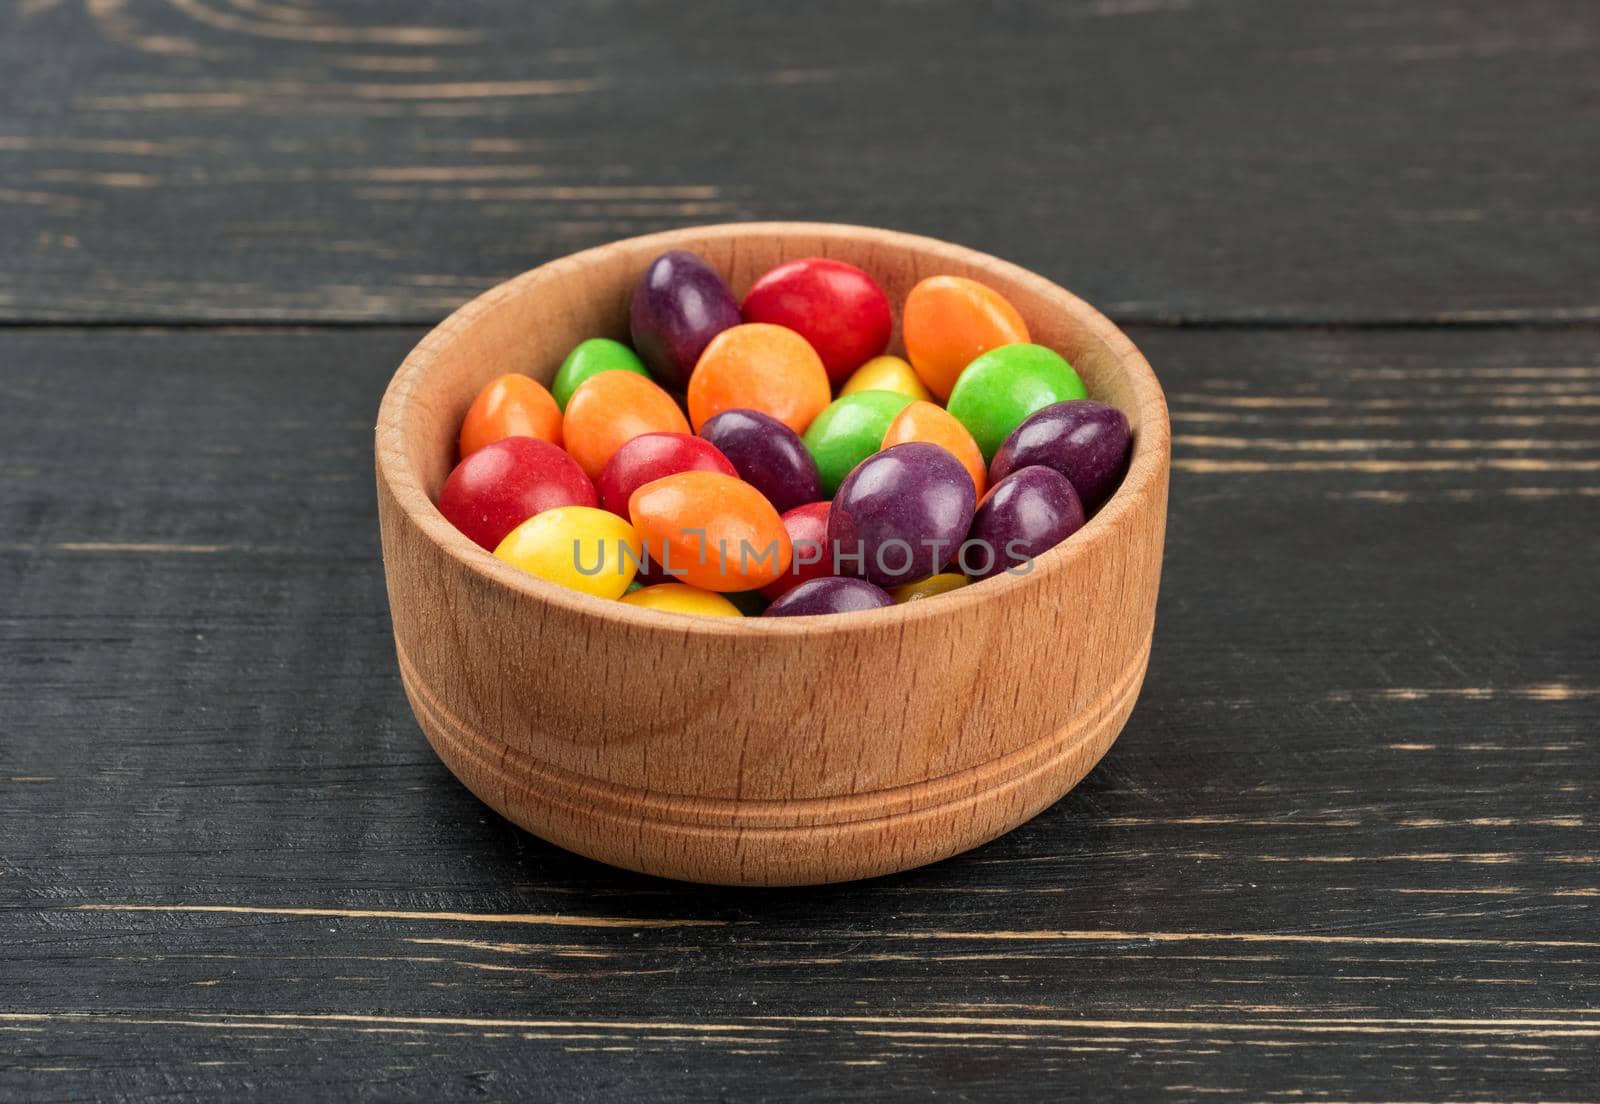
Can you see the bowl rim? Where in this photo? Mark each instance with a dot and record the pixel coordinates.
(1148, 463)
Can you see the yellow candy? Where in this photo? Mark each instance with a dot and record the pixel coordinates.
(886, 373)
(578, 547)
(931, 587)
(682, 598)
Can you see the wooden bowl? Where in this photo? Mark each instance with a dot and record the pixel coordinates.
(762, 751)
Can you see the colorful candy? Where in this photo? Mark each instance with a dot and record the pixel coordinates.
(1088, 442)
(931, 587)
(757, 366)
(653, 456)
(611, 409)
(832, 595)
(768, 455)
(679, 305)
(950, 321)
(510, 406)
(901, 514)
(1002, 387)
(807, 527)
(711, 531)
(506, 482)
(579, 547)
(887, 373)
(923, 421)
(836, 307)
(679, 598)
(849, 430)
(1028, 512)
(590, 358)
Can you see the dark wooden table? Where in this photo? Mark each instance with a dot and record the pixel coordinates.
(1348, 848)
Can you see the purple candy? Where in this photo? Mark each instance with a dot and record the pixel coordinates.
(1028, 512)
(900, 515)
(1085, 441)
(828, 595)
(768, 455)
(680, 304)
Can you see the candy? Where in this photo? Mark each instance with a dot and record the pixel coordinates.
(1001, 388)
(678, 598)
(580, 547)
(931, 587)
(923, 421)
(768, 455)
(759, 367)
(510, 406)
(901, 514)
(949, 321)
(504, 483)
(836, 307)
(1028, 512)
(679, 305)
(831, 595)
(611, 409)
(590, 358)
(886, 373)
(711, 531)
(850, 430)
(1085, 441)
(807, 527)
(650, 457)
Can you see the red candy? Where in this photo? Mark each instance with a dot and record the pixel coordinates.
(653, 456)
(807, 527)
(508, 481)
(836, 307)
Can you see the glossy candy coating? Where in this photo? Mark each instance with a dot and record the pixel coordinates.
(901, 515)
(807, 527)
(931, 587)
(698, 516)
(579, 547)
(611, 409)
(512, 405)
(757, 366)
(679, 598)
(652, 456)
(836, 307)
(949, 321)
(830, 595)
(769, 456)
(1088, 442)
(849, 430)
(1001, 388)
(1028, 512)
(590, 358)
(887, 373)
(925, 421)
(679, 305)
(508, 481)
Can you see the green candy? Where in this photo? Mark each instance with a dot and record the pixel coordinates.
(999, 389)
(590, 358)
(849, 430)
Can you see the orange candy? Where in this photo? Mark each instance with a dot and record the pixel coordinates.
(757, 366)
(510, 406)
(949, 321)
(612, 408)
(710, 531)
(924, 421)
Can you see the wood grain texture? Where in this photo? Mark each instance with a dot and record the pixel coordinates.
(1347, 848)
(1166, 159)
(761, 752)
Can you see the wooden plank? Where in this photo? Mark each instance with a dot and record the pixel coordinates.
(1347, 847)
(1169, 159)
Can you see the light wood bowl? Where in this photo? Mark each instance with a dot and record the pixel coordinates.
(762, 751)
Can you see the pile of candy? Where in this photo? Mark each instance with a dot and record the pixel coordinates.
(710, 469)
